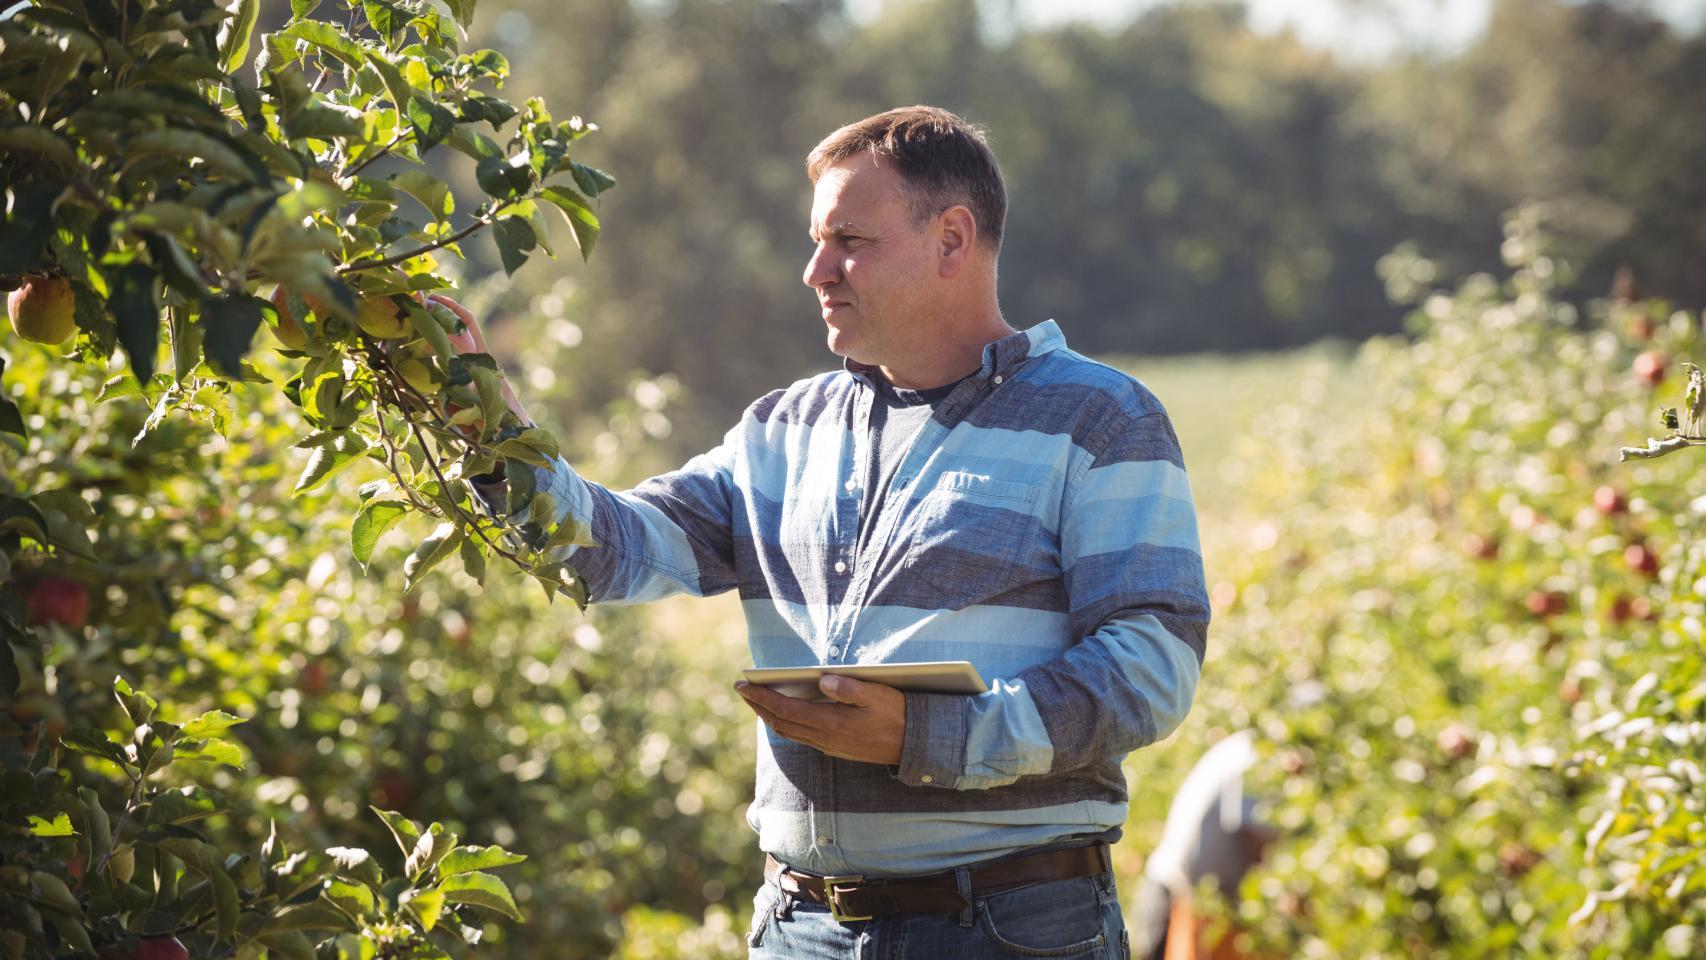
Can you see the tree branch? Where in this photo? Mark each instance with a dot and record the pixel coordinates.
(484, 221)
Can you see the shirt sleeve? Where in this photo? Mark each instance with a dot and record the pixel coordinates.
(1134, 581)
(671, 534)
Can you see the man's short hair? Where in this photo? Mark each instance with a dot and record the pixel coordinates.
(942, 159)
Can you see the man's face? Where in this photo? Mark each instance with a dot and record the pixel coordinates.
(872, 269)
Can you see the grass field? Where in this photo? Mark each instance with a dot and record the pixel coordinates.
(1214, 400)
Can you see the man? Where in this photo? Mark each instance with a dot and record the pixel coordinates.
(957, 491)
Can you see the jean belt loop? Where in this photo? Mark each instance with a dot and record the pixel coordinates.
(962, 877)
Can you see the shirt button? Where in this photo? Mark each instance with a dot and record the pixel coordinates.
(834, 651)
(851, 484)
(926, 778)
(998, 378)
(840, 566)
(825, 841)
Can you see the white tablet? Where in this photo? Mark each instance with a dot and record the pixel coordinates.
(941, 676)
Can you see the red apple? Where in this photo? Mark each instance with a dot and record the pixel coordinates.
(61, 601)
(1609, 500)
(1546, 603)
(1455, 742)
(396, 790)
(1640, 559)
(1650, 368)
(1481, 548)
(313, 680)
(160, 948)
(1621, 609)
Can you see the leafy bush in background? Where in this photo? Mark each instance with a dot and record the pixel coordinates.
(1469, 637)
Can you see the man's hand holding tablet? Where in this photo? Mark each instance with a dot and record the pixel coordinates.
(864, 717)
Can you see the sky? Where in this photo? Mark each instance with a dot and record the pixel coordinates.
(1348, 27)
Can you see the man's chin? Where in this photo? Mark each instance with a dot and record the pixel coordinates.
(843, 344)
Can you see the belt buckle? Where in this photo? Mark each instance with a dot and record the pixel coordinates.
(829, 885)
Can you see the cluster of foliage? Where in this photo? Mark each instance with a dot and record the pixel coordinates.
(182, 519)
(614, 759)
(150, 186)
(1468, 637)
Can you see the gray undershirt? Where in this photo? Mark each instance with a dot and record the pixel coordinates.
(896, 417)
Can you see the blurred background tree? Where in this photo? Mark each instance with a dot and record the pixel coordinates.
(1183, 179)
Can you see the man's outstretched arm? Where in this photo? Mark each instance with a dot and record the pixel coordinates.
(671, 534)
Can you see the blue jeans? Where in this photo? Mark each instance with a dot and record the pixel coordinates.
(1057, 918)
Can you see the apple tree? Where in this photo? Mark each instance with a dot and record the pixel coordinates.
(162, 200)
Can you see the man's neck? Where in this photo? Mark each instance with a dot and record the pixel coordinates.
(947, 360)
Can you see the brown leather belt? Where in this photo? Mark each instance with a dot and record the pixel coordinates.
(856, 898)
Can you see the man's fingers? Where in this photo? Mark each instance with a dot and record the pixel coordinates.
(473, 336)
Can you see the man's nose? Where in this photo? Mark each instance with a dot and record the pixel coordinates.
(820, 269)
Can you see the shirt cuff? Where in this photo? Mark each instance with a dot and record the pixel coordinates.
(933, 752)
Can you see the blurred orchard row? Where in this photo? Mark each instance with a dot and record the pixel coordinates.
(1469, 638)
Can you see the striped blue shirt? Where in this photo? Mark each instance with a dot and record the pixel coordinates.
(1040, 525)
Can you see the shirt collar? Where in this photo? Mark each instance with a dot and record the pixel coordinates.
(1000, 357)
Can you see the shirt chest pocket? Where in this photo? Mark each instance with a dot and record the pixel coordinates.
(967, 534)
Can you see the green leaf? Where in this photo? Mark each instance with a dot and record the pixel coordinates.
(371, 521)
(429, 329)
(433, 193)
(290, 944)
(135, 307)
(204, 859)
(490, 109)
(463, 11)
(59, 826)
(395, 85)
(514, 238)
(210, 724)
(326, 461)
(504, 178)
(475, 144)
(591, 180)
(100, 829)
(402, 828)
(210, 751)
(385, 19)
(40, 142)
(315, 915)
(480, 890)
(426, 906)
(229, 323)
(139, 707)
(578, 213)
(468, 859)
(356, 864)
(329, 37)
(353, 896)
(435, 844)
(93, 742)
(27, 206)
(431, 552)
(189, 146)
(323, 123)
(236, 34)
(302, 8)
(11, 420)
(431, 122)
(474, 559)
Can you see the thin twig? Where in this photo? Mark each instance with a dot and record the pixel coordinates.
(479, 222)
(352, 171)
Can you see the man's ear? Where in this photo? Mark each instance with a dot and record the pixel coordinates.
(958, 240)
